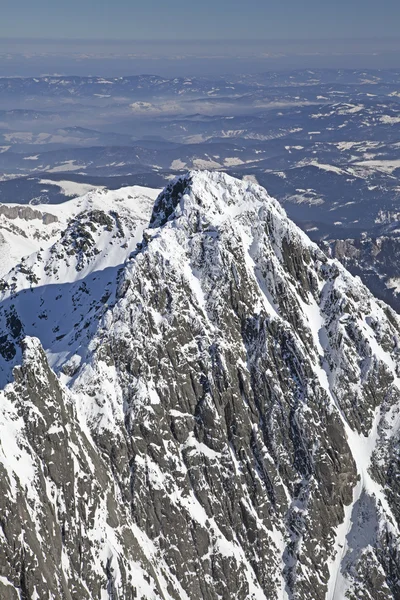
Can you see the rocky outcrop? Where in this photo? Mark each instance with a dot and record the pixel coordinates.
(27, 214)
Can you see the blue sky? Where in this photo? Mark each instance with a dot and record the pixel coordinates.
(202, 20)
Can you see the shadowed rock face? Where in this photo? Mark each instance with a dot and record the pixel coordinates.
(228, 431)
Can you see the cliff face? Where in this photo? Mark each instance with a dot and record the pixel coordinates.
(223, 425)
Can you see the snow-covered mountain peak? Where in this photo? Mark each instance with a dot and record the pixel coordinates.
(229, 315)
(211, 208)
(215, 196)
(223, 405)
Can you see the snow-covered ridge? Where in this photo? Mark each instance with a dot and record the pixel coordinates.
(25, 229)
(59, 288)
(226, 402)
(215, 195)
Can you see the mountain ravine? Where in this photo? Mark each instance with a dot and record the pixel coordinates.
(215, 417)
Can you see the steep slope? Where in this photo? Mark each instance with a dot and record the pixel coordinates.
(228, 428)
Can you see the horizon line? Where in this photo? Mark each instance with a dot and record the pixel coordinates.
(218, 40)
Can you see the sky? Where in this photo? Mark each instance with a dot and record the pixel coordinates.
(187, 20)
(195, 37)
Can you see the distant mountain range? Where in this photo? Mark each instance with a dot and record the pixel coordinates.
(325, 143)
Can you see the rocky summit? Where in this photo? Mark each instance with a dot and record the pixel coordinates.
(197, 404)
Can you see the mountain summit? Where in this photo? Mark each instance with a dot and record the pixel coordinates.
(221, 423)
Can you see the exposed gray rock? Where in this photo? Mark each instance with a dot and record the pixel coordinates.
(27, 213)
